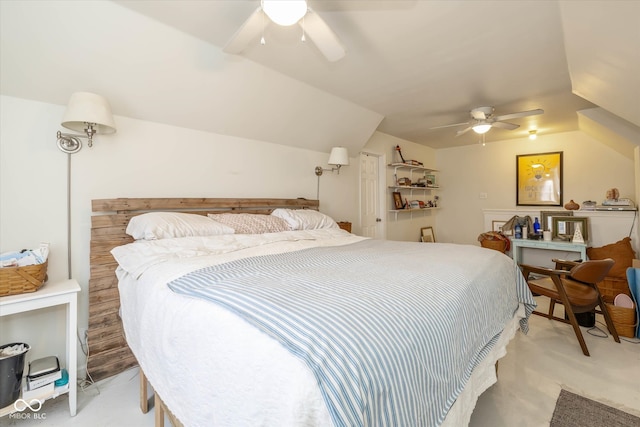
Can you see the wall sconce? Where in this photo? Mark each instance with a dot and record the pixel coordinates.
(86, 112)
(339, 157)
(533, 134)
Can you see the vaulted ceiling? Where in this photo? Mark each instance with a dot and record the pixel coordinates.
(410, 66)
(424, 64)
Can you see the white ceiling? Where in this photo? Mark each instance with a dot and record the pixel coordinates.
(423, 64)
(410, 66)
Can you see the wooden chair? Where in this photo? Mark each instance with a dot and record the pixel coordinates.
(573, 285)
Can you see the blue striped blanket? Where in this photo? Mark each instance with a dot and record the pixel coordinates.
(391, 330)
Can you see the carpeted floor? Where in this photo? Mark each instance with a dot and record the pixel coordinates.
(573, 410)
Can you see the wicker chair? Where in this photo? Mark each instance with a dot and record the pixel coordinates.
(573, 285)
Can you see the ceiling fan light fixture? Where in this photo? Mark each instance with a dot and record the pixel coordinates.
(533, 134)
(481, 128)
(284, 12)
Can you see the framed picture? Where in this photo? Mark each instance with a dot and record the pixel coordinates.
(545, 218)
(497, 226)
(565, 227)
(426, 235)
(397, 200)
(430, 180)
(539, 179)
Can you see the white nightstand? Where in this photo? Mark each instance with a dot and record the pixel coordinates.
(64, 292)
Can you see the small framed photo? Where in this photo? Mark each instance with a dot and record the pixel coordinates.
(546, 222)
(430, 180)
(497, 226)
(426, 235)
(565, 227)
(397, 200)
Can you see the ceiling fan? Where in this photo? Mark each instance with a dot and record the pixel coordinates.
(483, 120)
(286, 13)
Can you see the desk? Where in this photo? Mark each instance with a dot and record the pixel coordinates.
(518, 244)
(64, 292)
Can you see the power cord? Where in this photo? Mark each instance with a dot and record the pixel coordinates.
(602, 334)
(85, 383)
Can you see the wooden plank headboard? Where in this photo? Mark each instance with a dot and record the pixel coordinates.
(109, 353)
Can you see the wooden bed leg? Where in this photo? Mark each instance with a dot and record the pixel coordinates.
(144, 396)
(159, 412)
(497, 369)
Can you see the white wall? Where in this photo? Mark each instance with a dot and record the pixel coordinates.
(143, 159)
(153, 72)
(590, 168)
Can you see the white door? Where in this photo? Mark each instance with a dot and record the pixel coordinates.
(371, 196)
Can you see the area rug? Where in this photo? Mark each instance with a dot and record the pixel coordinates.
(573, 410)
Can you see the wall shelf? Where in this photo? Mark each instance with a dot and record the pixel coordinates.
(406, 187)
(411, 168)
(395, 212)
(421, 172)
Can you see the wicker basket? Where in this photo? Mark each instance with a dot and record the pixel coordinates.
(612, 286)
(498, 245)
(624, 319)
(19, 280)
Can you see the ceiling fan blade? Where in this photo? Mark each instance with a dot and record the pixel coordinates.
(520, 114)
(463, 131)
(450, 126)
(249, 31)
(323, 36)
(504, 125)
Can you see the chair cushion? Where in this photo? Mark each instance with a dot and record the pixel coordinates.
(621, 252)
(580, 295)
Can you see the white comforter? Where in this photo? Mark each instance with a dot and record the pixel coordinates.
(211, 367)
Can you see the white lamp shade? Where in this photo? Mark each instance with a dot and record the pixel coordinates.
(339, 156)
(284, 12)
(482, 128)
(85, 107)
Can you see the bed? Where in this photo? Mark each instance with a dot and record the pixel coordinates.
(308, 326)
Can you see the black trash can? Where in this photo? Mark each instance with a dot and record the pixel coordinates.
(588, 319)
(11, 368)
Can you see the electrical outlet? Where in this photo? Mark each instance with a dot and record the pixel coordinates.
(483, 195)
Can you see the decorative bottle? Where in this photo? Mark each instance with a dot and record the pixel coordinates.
(518, 231)
(536, 226)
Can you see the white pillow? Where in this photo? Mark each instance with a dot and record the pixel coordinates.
(166, 225)
(247, 223)
(305, 219)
